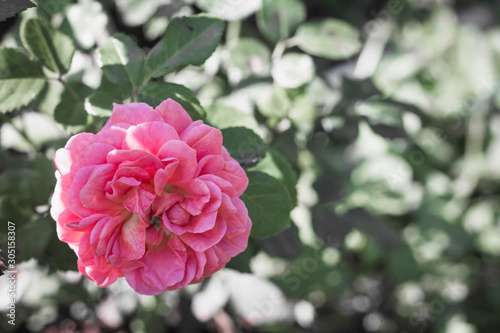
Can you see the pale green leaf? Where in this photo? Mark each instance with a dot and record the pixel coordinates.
(248, 57)
(293, 70)
(273, 102)
(223, 116)
(329, 38)
(229, 10)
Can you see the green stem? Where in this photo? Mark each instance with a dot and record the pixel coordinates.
(233, 32)
(279, 49)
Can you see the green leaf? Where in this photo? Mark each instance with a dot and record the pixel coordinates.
(60, 255)
(122, 61)
(293, 70)
(53, 48)
(71, 110)
(21, 79)
(273, 102)
(223, 116)
(228, 10)
(244, 145)
(187, 41)
(33, 239)
(329, 38)
(31, 182)
(268, 204)
(154, 93)
(277, 19)
(248, 57)
(50, 8)
(100, 103)
(303, 113)
(286, 244)
(12, 7)
(331, 228)
(275, 165)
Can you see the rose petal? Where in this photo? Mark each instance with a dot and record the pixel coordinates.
(164, 202)
(164, 266)
(139, 198)
(133, 239)
(186, 156)
(202, 241)
(196, 195)
(95, 154)
(206, 140)
(149, 136)
(64, 157)
(174, 114)
(210, 165)
(133, 114)
(93, 196)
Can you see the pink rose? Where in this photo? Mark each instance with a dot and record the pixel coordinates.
(153, 197)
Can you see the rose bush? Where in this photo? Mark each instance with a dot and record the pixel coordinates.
(153, 197)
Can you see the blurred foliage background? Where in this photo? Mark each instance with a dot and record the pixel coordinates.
(381, 121)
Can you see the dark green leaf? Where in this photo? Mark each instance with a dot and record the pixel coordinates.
(154, 93)
(30, 183)
(60, 255)
(51, 7)
(330, 227)
(71, 110)
(21, 79)
(278, 18)
(10, 8)
(373, 226)
(268, 204)
(53, 48)
(122, 61)
(244, 145)
(286, 244)
(33, 239)
(241, 262)
(187, 41)
(274, 164)
(329, 38)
